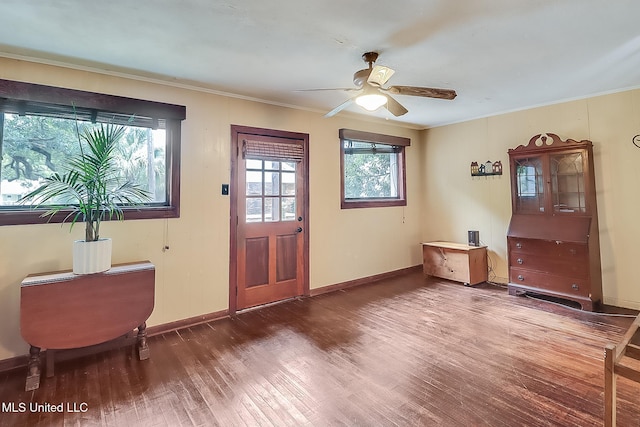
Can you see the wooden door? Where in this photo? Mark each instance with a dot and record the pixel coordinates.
(271, 246)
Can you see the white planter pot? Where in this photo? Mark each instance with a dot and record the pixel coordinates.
(91, 257)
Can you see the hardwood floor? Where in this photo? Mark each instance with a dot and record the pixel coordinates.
(400, 352)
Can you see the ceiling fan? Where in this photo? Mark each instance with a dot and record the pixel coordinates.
(372, 95)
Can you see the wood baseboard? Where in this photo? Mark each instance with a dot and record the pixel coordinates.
(365, 280)
(13, 363)
(186, 323)
(21, 361)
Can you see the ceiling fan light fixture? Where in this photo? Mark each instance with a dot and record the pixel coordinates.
(371, 101)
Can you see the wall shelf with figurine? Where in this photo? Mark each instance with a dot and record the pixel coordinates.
(487, 168)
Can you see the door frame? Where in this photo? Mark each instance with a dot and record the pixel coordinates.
(234, 192)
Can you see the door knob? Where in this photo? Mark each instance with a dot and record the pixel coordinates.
(299, 230)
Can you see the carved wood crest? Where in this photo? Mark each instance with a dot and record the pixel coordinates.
(546, 141)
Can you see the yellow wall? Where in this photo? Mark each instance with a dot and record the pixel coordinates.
(454, 202)
(192, 276)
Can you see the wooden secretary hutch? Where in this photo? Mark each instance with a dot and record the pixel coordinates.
(552, 239)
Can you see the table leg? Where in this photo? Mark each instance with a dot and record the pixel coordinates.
(50, 358)
(33, 374)
(143, 348)
(610, 385)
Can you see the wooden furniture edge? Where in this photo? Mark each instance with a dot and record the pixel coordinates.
(66, 275)
(612, 368)
(452, 245)
(365, 280)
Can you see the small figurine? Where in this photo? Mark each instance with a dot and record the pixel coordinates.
(497, 167)
(474, 168)
(487, 166)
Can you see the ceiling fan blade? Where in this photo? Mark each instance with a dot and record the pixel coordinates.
(427, 92)
(340, 107)
(380, 75)
(395, 107)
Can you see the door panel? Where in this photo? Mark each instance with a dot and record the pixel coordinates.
(257, 265)
(270, 230)
(286, 249)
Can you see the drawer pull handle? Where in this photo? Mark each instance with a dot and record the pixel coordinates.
(519, 261)
(519, 245)
(575, 287)
(520, 277)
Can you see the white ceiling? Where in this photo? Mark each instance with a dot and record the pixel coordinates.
(499, 55)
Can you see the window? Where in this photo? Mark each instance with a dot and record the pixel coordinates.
(39, 129)
(372, 169)
(271, 191)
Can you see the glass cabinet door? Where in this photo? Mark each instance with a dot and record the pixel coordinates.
(567, 182)
(529, 184)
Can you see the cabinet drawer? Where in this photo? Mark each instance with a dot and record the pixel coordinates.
(548, 248)
(574, 266)
(549, 282)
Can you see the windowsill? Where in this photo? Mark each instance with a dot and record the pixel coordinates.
(28, 216)
(371, 203)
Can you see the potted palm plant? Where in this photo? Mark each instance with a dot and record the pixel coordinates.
(91, 189)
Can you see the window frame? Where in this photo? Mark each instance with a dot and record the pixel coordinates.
(16, 94)
(380, 139)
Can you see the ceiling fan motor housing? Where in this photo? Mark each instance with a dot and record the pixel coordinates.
(370, 57)
(361, 76)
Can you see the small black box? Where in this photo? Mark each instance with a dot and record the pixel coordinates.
(474, 238)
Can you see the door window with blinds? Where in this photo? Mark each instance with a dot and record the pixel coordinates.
(372, 169)
(271, 182)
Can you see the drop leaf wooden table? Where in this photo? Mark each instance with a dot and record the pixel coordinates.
(61, 310)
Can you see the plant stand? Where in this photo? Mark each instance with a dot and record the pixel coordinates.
(61, 311)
